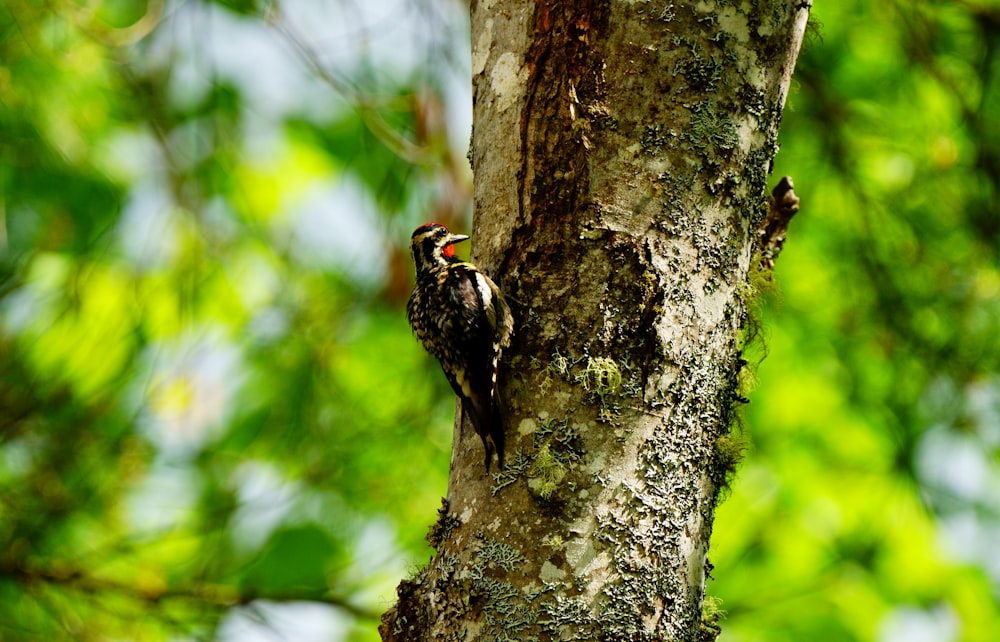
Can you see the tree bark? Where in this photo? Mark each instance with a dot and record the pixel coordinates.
(620, 151)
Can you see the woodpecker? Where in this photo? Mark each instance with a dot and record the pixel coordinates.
(461, 318)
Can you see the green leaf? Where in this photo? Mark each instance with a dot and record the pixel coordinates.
(294, 560)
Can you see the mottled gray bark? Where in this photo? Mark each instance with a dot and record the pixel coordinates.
(620, 153)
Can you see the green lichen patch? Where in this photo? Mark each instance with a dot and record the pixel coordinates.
(559, 435)
(656, 137)
(546, 473)
(727, 455)
(512, 471)
(711, 614)
(506, 613)
(601, 379)
(492, 554)
(566, 618)
(559, 365)
(711, 130)
(703, 72)
(601, 376)
(757, 284)
(555, 446)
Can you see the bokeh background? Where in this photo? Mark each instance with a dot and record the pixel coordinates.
(215, 424)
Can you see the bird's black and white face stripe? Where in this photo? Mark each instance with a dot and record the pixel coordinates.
(432, 245)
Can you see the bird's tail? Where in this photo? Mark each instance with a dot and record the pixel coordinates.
(489, 425)
(497, 438)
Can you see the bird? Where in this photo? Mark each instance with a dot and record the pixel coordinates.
(462, 319)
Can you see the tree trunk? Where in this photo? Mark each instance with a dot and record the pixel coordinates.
(621, 151)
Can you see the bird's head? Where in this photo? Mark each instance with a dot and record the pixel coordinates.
(432, 246)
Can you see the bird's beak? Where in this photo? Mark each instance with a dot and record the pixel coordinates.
(457, 238)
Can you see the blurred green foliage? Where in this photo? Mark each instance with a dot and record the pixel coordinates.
(211, 404)
(209, 396)
(869, 506)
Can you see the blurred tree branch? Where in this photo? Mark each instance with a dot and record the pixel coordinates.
(368, 107)
(222, 596)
